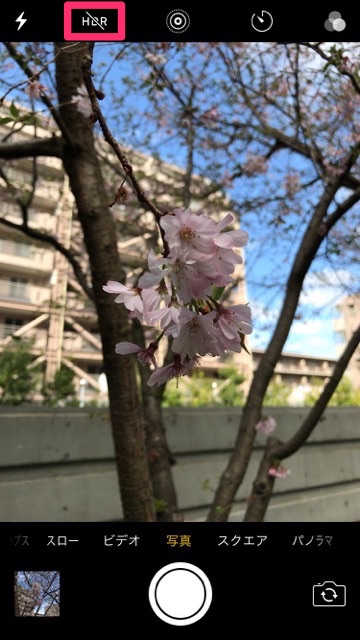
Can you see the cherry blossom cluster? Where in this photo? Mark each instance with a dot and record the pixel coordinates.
(35, 89)
(82, 101)
(254, 164)
(279, 472)
(266, 425)
(180, 294)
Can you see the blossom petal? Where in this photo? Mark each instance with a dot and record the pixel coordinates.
(115, 287)
(127, 347)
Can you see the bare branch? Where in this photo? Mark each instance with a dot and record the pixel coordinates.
(284, 450)
(45, 237)
(109, 138)
(20, 60)
(32, 148)
(334, 63)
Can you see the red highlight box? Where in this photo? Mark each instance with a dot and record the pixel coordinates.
(87, 6)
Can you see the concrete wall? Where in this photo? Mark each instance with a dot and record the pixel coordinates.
(58, 465)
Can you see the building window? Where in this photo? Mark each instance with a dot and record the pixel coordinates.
(9, 327)
(14, 322)
(15, 248)
(16, 288)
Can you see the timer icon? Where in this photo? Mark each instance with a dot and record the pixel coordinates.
(262, 21)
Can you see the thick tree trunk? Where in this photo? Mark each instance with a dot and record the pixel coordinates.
(160, 460)
(158, 452)
(82, 166)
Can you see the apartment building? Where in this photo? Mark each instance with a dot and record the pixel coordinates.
(344, 326)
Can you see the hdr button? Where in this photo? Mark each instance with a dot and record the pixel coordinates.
(94, 21)
(180, 594)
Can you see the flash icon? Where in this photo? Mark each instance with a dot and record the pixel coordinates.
(21, 20)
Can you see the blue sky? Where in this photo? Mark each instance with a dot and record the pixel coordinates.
(313, 333)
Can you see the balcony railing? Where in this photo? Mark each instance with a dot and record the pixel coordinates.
(14, 290)
(7, 330)
(39, 336)
(16, 248)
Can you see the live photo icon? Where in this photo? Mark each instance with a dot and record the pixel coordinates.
(94, 21)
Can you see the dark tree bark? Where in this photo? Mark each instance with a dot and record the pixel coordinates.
(159, 455)
(82, 166)
(34, 148)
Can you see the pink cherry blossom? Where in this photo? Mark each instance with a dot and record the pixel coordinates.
(154, 299)
(254, 164)
(231, 320)
(34, 89)
(292, 184)
(220, 267)
(144, 356)
(213, 112)
(175, 294)
(155, 58)
(185, 278)
(189, 281)
(190, 233)
(174, 370)
(280, 472)
(229, 239)
(36, 588)
(165, 316)
(266, 425)
(195, 334)
(156, 271)
(82, 101)
(131, 298)
(224, 344)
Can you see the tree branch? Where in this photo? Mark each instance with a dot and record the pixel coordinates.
(20, 60)
(334, 63)
(109, 138)
(284, 450)
(44, 237)
(48, 147)
(284, 140)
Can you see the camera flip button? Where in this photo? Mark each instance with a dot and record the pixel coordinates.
(329, 594)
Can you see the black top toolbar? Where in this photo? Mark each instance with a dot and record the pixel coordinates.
(163, 22)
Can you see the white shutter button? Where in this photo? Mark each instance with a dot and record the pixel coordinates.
(180, 593)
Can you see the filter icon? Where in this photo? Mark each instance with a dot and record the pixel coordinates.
(335, 22)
